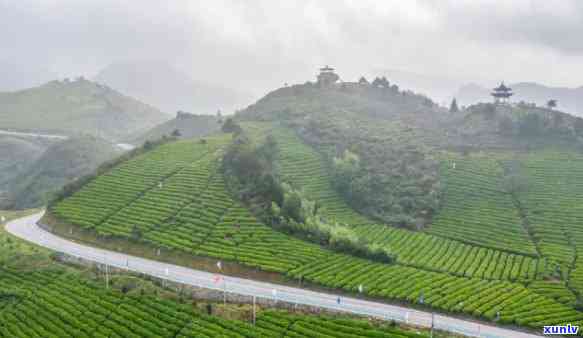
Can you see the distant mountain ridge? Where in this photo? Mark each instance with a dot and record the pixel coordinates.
(60, 163)
(569, 99)
(76, 107)
(187, 125)
(170, 90)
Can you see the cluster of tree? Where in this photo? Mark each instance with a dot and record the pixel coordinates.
(396, 186)
(231, 126)
(381, 82)
(533, 124)
(299, 216)
(250, 172)
(393, 181)
(378, 82)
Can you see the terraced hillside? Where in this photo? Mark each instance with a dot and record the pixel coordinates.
(303, 166)
(43, 298)
(490, 238)
(57, 304)
(553, 209)
(477, 209)
(203, 220)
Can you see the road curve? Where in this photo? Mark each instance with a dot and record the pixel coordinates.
(27, 229)
(121, 146)
(25, 134)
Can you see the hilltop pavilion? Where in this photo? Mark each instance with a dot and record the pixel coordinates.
(327, 76)
(502, 93)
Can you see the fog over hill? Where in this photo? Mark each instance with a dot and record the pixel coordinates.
(443, 88)
(440, 88)
(76, 107)
(570, 100)
(16, 77)
(169, 89)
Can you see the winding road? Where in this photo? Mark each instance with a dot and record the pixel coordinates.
(121, 146)
(27, 229)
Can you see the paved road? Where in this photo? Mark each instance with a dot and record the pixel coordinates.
(17, 133)
(27, 229)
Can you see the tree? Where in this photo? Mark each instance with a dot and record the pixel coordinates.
(552, 104)
(453, 108)
(384, 82)
(377, 82)
(362, 81)
(176, 133)
(230, 126)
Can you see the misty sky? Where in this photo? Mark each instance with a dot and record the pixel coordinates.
(270, 42)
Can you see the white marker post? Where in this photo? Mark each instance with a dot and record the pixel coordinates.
(224, 291)
(274, 294)
(166, 272)
(254, 309)
(106, 272)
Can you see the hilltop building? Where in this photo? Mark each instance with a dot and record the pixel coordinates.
(327, 77)
(501, 94)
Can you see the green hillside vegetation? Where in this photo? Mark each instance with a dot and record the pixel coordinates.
(518, 127)
(380, 163)
(40, 297)
(59, 164)
(184, 126)
(476, 195)
(17, 154)
(174, 198)
(73, 107)
(301, 166)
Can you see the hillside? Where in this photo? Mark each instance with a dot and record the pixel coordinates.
(167, 88)
(569, 99)
(32, 183)
(16, 154)
(175, 199)
(42, 297)
(76, 107)
(187, 125)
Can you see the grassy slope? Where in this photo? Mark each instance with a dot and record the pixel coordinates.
(477, 209)
(173, 198)
(498, 245)
(553, 208)
(303, 166)
(76, 107)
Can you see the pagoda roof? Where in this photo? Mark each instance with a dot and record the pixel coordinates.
(327, 69)
(502, 88)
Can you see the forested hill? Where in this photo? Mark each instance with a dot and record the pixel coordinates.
(384, 145)
(76, 107)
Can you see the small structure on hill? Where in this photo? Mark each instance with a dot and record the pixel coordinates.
(501, 94)
(327, 77)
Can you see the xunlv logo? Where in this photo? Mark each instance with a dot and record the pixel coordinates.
(561, 329)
